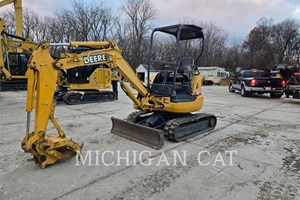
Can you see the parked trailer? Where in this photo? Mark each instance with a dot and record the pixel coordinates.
(212, 75)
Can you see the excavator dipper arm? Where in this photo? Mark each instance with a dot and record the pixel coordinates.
(42, 77)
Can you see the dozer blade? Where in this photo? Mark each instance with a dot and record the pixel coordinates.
(151, 137)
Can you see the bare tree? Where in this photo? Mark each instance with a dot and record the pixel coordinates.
(286, 38)
(234, 57)
(86, 22)
(269, 44)
(214, 45)
(30, 23)
(122, 35)
(265, 45)
(140, 14)
(258, 45)
(10, 21)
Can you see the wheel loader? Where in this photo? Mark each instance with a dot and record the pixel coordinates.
(166, 106)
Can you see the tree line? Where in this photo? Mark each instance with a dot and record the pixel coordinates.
(267, 43)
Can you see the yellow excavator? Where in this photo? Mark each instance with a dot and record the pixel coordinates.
(76, 86)
(14, 55)
(79, 85)
(14, 52)
(165, 106)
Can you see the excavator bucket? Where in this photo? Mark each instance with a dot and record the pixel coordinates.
(142, 134)
(52, 149)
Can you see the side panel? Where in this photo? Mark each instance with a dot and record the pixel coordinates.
(99, 79)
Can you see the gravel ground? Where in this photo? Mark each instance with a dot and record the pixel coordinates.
(262, 134)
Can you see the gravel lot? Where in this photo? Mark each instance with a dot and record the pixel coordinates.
(264, 133)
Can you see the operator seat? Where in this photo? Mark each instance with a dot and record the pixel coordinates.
(163, 82)
(184, 75)
(162, 85)
(185, 67)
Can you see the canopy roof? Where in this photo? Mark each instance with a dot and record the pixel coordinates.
(188, 31)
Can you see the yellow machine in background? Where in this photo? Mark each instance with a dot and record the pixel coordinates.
(165, 106)
(80, 85)
(75, 86)
(14, 52)
(14, 55)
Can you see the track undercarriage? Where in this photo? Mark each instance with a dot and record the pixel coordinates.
(13, 85)
(84, 97)
(149, 128)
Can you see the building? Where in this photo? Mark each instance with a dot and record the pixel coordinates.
(213, 75)
(142, 72)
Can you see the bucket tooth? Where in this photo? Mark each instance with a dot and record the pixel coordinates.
(151, 137)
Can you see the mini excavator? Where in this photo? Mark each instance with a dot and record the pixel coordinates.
(14, 55)
(88, 84)
(76, 86)
(14, 52)
(166, 106)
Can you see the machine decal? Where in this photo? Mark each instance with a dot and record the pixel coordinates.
(94, 59)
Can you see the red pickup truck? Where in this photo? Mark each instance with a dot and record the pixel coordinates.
(256, 81)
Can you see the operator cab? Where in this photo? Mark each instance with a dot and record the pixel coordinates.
(16, 63)
(176, 72)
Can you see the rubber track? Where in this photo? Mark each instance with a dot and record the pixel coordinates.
(107, 96)
(13, 85)
(171, 125)
(134, 115)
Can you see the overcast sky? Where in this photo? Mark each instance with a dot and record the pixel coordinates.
(236, 17)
